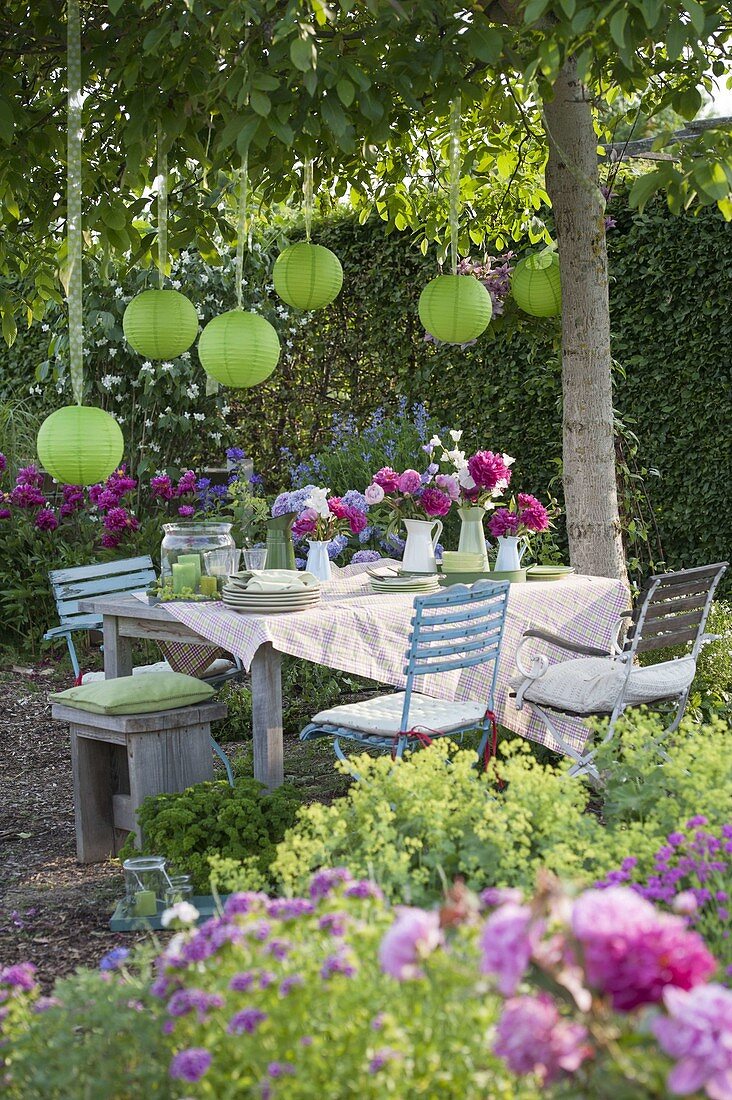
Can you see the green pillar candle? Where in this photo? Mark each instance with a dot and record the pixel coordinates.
(195, 561)
(146, 903)
(208, 586)
(184, 576)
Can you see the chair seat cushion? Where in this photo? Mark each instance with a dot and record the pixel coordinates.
(136, 694)
(592, 685)
(383, 715)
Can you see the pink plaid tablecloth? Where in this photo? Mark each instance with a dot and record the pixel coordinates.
(356, 630)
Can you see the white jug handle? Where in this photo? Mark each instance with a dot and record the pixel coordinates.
(438, 532)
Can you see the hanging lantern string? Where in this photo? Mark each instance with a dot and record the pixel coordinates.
(74, 292)
(455, 171)
(241, 227)
(307, 187)
(161, 188)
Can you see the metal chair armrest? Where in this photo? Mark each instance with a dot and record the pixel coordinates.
(564, 643)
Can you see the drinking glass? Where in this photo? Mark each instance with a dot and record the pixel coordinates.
(180, 889)
(255, 559)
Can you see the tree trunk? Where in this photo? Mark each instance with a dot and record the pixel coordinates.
(590, 487)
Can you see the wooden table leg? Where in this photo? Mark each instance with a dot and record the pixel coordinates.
(267, 716)
(117, 650)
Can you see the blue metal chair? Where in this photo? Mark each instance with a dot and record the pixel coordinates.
(458, 628)
(113, 578)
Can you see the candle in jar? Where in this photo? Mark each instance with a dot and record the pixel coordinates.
(208, 586)
(193, 560)
(184, 576)
(145, 903)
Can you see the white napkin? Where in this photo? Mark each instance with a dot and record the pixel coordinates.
(281, 580)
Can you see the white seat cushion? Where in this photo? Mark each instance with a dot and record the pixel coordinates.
(218, 668)
(383, 715)
(592, 685)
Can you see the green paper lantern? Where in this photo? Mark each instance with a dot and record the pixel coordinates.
(308, 276)
(455, 308)
(536, 286)
(239, 349)
(80, 445)
(160, 324)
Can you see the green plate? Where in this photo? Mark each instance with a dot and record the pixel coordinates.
(548, 572)
(516, 576)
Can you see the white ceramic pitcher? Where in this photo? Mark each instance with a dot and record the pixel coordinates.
(509, 554)
(318, 562)
(419, 552)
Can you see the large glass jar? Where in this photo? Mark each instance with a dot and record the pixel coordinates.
(146, 881)
(196, 558)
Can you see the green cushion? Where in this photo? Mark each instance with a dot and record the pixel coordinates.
(136, 694)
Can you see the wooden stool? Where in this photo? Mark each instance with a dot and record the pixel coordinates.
(119, 759)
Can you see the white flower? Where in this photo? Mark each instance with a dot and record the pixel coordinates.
(199, 416)
(148, 423)
(435, 441)
(204, 279)
(44, 328)
(147, 365)
(318, 500)
(182, 911)
(186, 416)
(216, 436)
(175, 283)
(508, 460)
(118, 292)
(184, 355)
(192, 390)
(465, 479)
(225, 410)
(455, 436)
(166, 366)
(112, 352)
(153, 446)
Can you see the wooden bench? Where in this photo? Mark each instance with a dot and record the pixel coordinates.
(118, 760)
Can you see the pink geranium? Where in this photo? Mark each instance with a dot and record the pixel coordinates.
(409, 482)
(435, 503)
(387, 478)
(413, 936)
(533, 1038)
(698, 1035)
(489, 471)
(632, 952)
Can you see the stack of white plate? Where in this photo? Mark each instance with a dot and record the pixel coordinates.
(412, 585)
(300, 598)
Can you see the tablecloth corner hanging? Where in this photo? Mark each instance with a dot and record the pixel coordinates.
(237, 348)
(305, 275)
(77, 444)
(161, 323)
(455, 308)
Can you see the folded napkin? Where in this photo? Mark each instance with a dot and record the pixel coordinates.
(280, 580)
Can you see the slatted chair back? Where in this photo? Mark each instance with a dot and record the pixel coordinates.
(112, 578)
(672, 609)
(455, 629)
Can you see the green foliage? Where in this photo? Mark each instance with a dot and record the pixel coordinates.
(103, 1038)
(213, 819)
(415, 825)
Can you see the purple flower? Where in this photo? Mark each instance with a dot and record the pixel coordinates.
(449, 485)
(289, 908)
(190, 1065)
(236, 455)
(3, 463)
(162, 487)
(5, 513)
(388, 479)
(19, 976)
(488, 470)
(503, 522)
(435, 503)
(289, 983)
(413, 936)
(335, 923)
(247, 1021)
(114, 958)
(363, 556)
(243, 982)
(533, 1038)
(27, 496)
(244, 902)
(695, 822)
(119, 519)
(506, 942)
(382, 1057)
(493, 896)
(46, 520)
(279, 949)
(186, 483)
(338, 963)
(532, 513)
(30, 475)
(323, 881)
(280, 1069)
(186, 510)
(409, 482)
(363, 888)
(698, 1035)
(632, 952)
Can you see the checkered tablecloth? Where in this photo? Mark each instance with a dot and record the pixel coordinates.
(356, 630)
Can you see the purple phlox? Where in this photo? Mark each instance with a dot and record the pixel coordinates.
(382, 1057)
(19, 976)
(246, 1021)
(289, 983)
(341, 962)
(280, 1069)
(325, 880)
(246, 901)
(289, 908)
(190, 1065)
(335, 923)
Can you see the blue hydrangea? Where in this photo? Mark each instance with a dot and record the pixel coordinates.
(354, 499)
(365, 556)
(337, 545)
(366, 534)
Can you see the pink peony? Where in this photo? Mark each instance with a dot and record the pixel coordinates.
(374, 494)
(632, 952)
(506, 943)
(489, 471)
(449, 485)
(533, 1038)
(387, 478)
(356, 520)
(435, 503)
(337, 507)
(532, 513)
(409, 482)
(698, 1034)
(414, 934)
(503, 523)
(305, 523)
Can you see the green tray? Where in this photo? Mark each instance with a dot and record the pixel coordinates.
(204, 903)
(515, 576)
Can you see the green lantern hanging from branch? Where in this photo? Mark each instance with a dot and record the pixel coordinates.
(163, 323)
(77, 445)
(305, 275)
(236, 348)
(536, 286)
(455, 309)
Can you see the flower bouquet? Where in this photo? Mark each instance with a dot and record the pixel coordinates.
(524, 516)
(409, 495)
(475, 481)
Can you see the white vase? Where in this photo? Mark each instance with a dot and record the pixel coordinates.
(419, 551)
(318, 562)
(509, 554)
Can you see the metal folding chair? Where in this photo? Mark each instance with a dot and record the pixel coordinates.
(454, 629)
(671, 610)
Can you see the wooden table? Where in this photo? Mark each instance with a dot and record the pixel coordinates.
(125, 618)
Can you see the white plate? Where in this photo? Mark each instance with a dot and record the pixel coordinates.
(272, 602)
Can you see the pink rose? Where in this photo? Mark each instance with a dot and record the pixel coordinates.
(409, 482)
(374, 493)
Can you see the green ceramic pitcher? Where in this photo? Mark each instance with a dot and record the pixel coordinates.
(280, 549)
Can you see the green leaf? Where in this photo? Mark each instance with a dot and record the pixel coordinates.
(346, 92)
(260, 102)
(246, 135)
(711, 179)
(644, 188)
(617, 26)
(265, 82)
(10, 329)
(484, 42)
(688, 103)
(7, 122)
(696, 14)
(676, 38)
(115, 5)
(303, 54)
(333, 116)
(534, 10)
(113, 216)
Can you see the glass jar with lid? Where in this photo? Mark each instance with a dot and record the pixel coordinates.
(196, 558)
(146, 882)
